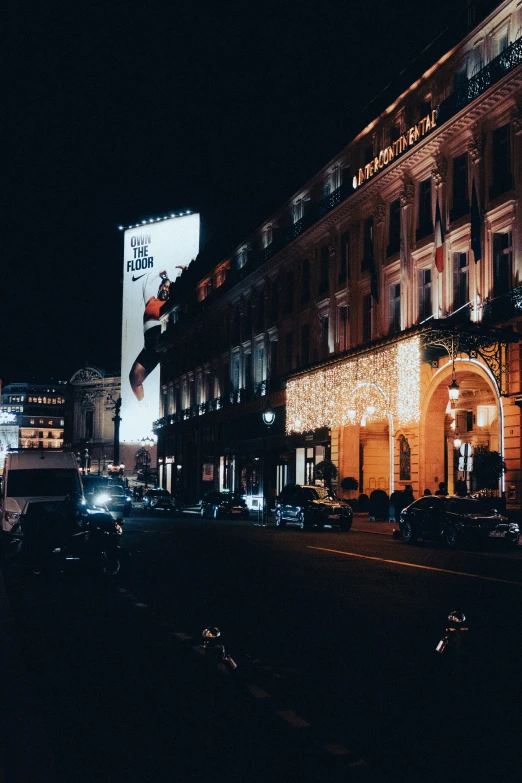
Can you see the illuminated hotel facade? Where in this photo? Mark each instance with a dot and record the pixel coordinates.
(392, 275)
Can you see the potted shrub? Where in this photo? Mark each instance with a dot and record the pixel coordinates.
(326, 471)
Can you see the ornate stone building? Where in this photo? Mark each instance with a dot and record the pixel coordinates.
(90, 429)
(392, 275)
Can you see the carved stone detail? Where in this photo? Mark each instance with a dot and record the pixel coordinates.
(475, 144)
(380, 212)
(407, 194)
(516, 120)
(440, 172)
(86, 375)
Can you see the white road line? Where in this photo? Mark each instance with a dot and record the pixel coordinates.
(293, 719)
(414, 565)
(184, 637)
(257, 692)
(143, 606)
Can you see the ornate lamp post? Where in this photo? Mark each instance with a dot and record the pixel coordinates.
(147, 443)
(268, 417)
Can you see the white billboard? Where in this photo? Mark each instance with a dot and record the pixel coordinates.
(154, 256)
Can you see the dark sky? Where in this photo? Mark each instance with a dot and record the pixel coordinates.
(120, 111)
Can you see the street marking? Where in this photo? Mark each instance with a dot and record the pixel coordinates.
(293, 719)
(414, 565)
(257, 692)
(144, 606)
(336, 750)
(185, 637)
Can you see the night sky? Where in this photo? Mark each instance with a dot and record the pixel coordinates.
(120, 111)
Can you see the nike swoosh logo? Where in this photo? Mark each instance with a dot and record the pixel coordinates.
(137, 278)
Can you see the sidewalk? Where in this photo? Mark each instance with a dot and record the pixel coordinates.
(361, 521)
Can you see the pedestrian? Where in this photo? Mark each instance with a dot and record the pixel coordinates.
(396, 504)
(427, 491)
(442, 490)
(408, 496)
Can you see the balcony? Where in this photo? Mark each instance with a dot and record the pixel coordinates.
(503, 308)
(482, 81)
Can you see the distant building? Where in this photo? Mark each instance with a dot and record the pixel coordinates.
(90, 429)
(393, 274)
(40, 413)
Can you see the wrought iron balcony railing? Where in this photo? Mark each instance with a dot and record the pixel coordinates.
(503, 308)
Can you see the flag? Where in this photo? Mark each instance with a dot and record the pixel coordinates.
(476, 225)
(439, 240)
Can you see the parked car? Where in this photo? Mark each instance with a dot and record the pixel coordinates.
(112, 497)
(455, 520)
(159, 500)
(224, 504)
(309, 506)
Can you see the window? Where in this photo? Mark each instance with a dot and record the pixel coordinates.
(248, 369)
(242, 257)
(259, 367)
(324, 281)
(273, 358)
(425, 299)
(235, 372)
(344, 264)
(394, 237)
(367, 318)
(460, 187)
(89, 424)
(501, 161)
(461, 76)
(289, 349)
(500, 42)
(289, 292)
(395, 132)
(325, 326)
(297, 210)
(342, 326)
(368, 260)
(502, 263)
(305, 344)
(274, 301)
(305, 280)
(267, 237)
(395, 308)
(460, 280)
(368, 153)
(425, 222)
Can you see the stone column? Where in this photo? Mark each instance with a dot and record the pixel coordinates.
(406, 242)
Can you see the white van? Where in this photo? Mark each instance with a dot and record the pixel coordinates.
(36, 474)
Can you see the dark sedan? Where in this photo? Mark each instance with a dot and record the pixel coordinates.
(159, 500)
(309, 506)
(455, 520)
(224, 504)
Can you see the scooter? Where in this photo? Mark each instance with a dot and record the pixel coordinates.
(56, 536)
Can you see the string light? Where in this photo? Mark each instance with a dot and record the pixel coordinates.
(155, 220)
(374, 386)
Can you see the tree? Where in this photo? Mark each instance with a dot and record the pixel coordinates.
(349, 484)
(488, 468)
(326, 471)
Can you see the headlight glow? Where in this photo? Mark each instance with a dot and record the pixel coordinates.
(102, 498)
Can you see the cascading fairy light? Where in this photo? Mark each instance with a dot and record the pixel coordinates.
(369, 387)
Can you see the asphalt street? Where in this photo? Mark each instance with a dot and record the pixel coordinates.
(334, 637)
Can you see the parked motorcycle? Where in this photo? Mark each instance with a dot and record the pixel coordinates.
(55, 536)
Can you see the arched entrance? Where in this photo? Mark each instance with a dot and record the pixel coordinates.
(476, 419)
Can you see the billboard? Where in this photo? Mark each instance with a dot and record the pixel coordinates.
(153, 257)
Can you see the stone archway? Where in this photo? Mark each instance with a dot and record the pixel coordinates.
(476, 418)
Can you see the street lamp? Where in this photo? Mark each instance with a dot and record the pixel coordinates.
(147, 443)
(268, 417)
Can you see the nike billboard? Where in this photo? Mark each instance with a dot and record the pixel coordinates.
(154, 256)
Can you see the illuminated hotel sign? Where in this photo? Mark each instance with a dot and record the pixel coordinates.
(389, 154)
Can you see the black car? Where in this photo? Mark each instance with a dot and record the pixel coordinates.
(159, 500)
(454, 520)
(308, 506)
(224, 504)
(108, 495)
